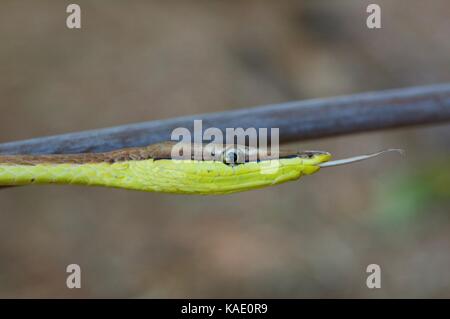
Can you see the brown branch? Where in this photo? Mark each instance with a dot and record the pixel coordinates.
(297, 121)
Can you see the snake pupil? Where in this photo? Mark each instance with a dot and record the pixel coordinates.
(235, 157)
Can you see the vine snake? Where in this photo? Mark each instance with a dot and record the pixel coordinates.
(153, 168)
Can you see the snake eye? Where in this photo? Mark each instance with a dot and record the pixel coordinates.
(233, 156)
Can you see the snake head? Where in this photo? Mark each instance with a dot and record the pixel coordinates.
(239, 154)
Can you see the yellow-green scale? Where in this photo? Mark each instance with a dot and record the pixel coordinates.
(171, 176)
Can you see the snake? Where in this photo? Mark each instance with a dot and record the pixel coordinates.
(154, 168)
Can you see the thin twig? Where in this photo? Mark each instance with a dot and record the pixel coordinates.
(297, 121)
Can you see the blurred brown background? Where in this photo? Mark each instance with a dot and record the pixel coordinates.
(140, 60)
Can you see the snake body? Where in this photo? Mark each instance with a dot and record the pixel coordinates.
(153, 169)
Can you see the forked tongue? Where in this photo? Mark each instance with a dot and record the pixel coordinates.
(359, 158)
